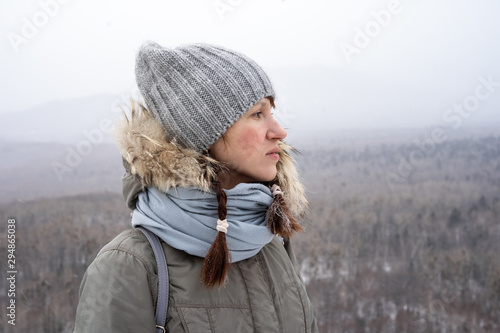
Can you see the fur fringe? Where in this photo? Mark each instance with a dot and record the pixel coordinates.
(290, 182)
(158, 161)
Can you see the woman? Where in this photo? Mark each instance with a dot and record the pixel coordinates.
(208, 172)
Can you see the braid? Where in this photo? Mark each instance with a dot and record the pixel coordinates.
(216, 262)
(279, 219)
(221, 200)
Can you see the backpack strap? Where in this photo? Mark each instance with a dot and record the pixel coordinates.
(162, 297)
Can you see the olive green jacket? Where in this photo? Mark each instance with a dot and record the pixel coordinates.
(262, 294)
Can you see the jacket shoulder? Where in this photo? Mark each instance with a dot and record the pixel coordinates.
(133, 242)
(120, 276)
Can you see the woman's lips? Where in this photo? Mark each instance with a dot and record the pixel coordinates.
(274, 154)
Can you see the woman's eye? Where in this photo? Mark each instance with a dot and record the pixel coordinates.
(257, 114)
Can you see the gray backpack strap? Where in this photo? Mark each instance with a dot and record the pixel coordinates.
(163, 284)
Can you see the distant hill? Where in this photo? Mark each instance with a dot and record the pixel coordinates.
(61, 121)
(32, 170)
(308, 98)
(40, 170)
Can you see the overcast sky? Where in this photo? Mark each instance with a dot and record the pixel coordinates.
(55, 49)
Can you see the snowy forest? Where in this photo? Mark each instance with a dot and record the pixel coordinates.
(402, 235)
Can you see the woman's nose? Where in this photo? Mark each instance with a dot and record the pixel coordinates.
(276, 131)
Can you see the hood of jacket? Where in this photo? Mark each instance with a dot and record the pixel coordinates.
(156, 159)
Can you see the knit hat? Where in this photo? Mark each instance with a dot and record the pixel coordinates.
(198, 91)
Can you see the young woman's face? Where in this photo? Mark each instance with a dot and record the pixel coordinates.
(249, 147)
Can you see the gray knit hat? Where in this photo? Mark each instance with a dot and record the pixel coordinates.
(198, 91)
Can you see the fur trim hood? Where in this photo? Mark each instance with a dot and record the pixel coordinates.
(158, 160)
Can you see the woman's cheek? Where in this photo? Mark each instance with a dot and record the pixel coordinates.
(249, 139)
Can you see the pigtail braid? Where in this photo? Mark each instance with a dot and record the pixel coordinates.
(279, 219)
(216, 262)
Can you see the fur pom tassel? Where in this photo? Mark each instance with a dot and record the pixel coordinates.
(279, 219)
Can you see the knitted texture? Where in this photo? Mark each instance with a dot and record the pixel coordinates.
(198, 91)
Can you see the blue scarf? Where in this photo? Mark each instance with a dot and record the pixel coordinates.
(186, 218)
